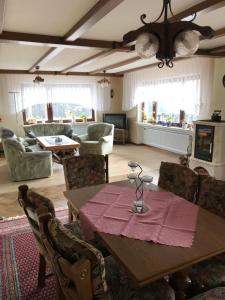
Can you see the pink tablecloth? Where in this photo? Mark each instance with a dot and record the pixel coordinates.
(170, 220)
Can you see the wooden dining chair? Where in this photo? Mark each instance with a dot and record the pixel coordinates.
(84, 170)
(31, 202)
(84, 274)
(210, 273)
(213, 294)
(179, 180)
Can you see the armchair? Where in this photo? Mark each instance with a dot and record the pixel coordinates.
(98, 140)
(26, 165)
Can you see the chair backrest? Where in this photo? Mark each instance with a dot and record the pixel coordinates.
(178, 179)
(31, 201)
(12, 149)
(78, 266)
(212, 195)
(84, 170)
(98, 130)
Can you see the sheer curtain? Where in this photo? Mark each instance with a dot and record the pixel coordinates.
(146, 84)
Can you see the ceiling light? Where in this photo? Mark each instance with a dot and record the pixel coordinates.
(104, 82)
(168, 39)
(38, 79)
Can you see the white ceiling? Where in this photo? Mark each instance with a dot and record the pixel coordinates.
(56, 17)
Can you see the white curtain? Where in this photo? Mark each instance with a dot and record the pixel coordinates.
(82, 94)
(141, 85)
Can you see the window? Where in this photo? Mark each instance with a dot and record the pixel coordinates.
(68, 102)
(167, 98)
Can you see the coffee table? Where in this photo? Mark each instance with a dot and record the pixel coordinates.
(63, 146)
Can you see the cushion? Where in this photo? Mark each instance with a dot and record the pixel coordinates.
(22, 140)
(31, 134)
(33, 148)
(121, 288)
(6, 133)
(72, 248)
(212, 195)
(69, 133)
(179, 180)
(214, 294)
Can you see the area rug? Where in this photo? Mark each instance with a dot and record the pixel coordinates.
(19, 260)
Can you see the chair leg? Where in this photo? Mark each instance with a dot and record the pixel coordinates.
(70, 215)
(107, 168)
(41, 271)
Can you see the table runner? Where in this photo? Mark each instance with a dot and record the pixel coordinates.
(170, 220)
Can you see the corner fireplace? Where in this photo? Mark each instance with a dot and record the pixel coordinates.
(204, 138)
(209, 147)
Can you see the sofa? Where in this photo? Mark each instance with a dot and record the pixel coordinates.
(45, 129)
(98, 140)
(26, 161)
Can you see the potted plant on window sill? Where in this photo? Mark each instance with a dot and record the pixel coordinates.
(169, 121)
(83, 116)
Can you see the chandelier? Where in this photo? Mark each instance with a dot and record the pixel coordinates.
(104, 82)
(168, 39)
(38, 79)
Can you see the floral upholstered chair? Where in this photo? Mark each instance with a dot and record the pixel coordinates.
(179, 180)
(98, 140)
(211, 273)
(84, 274)
(84, 170)
(214, 294)
(31, 202)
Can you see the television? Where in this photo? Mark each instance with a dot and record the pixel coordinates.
(119, 120)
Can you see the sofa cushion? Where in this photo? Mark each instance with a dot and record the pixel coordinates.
(69, 133)
(15, 144)
(33, 148)
(23, 141)
(6, 133)
(31, 134)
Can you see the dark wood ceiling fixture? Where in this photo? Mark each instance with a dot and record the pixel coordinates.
(167, 39)
(97, 12)
(116, 65)
(2, 14)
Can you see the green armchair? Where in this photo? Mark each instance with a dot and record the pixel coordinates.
(26, 165)
(98, 140)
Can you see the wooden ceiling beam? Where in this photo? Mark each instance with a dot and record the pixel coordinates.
(54, 41)
(90, 60)
(26, 72)
(2, 14)
(50, 54)
(218, 49)
(116, 65)
(95, 14)
(200, 8)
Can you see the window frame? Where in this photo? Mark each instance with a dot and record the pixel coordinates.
(50, 116)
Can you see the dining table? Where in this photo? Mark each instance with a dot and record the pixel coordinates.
(146, 261)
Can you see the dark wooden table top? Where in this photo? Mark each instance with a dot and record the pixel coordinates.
(147, 261)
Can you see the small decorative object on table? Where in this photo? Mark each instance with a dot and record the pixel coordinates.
(216, 117)
(139, 180)
(58, 140)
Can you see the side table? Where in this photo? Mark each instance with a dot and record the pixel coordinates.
(120, 135)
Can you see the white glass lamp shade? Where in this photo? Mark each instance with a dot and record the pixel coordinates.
(186, 43)
(147, 45)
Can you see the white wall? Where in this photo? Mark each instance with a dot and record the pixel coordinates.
(218, 101)
(12, 83)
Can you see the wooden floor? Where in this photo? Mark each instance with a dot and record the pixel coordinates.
(53, 187)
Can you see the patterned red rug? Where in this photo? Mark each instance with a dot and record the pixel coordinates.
(19, 261)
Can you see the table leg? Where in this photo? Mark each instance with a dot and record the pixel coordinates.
(179, 282)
